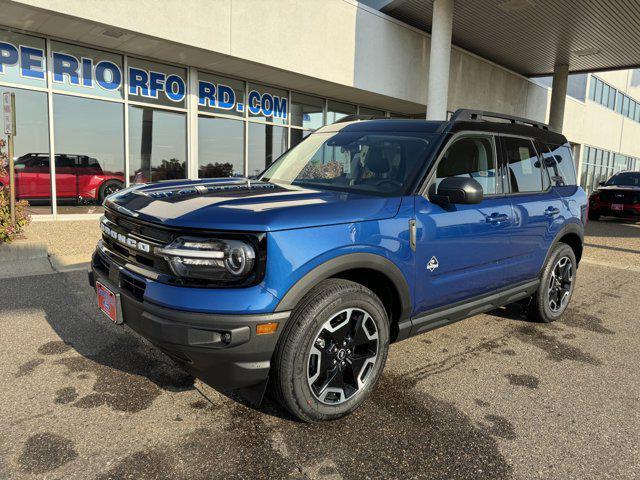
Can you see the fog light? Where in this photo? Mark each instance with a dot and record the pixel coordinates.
(226, 338)
(266, 328)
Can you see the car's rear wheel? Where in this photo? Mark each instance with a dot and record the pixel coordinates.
(594, 216)
(109, 187)
(333, 351)
(556, 285)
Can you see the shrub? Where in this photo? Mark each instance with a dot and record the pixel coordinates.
(7, 231)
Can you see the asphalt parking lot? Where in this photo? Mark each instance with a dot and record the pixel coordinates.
(490, 397)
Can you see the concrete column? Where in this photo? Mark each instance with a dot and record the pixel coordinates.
(439, 60)
(558, 97)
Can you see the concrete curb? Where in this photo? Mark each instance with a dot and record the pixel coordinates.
(22, 250)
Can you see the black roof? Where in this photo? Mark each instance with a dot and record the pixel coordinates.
(463, 119)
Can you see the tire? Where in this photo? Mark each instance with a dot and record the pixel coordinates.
(107, 188)
(557, 283)
(307, 348)
(594, 216)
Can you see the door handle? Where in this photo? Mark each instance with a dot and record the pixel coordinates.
(497, 218)
(552, 211)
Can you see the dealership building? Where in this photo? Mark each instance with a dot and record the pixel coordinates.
(131, 91)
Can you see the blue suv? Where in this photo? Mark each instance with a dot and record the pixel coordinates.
(367, 232)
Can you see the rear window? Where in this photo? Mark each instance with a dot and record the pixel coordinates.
(559, 163)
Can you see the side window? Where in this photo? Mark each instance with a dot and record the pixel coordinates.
(559, 163)
(523, 166)
(65, 161)
(471, 156)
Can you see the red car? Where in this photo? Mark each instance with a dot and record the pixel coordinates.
(618, 197)
(78, 177)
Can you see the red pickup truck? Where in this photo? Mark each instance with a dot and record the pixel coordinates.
(78, 177)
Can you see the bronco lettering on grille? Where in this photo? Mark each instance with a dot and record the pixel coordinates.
(125, 240)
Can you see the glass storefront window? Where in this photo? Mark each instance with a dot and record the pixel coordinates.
(86, 71)
(157, 83)
(266, 144)
(32, 174)
(220, 147)
(157, 144)
(23, 59)
(220, 95)
(306, 111)
(89, 145)
(338, 110)
(268, 104)
(297, 135)
(371, 111)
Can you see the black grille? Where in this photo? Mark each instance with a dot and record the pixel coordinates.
(100, 264)
(619, 196)
(151, 237)
(135, 287)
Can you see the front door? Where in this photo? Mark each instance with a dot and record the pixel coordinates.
(461, 249)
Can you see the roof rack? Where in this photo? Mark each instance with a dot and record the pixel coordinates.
(356, 118)
(467, 115)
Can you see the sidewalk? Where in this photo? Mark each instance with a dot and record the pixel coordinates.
(49, 247)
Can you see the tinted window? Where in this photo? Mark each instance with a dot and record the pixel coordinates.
(524, 167)
(366, 162)
(220, 147)
(472, 157)
(559, 163)
(157, 144)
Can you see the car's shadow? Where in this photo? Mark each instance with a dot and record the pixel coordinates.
(129, 372)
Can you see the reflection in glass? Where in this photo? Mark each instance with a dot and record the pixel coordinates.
(338, 110)
(220, 147)
(157, 144)
(297, 135)
(31, 155)
(306, 111)
(371, 111)
(89, 143)
(266, 144)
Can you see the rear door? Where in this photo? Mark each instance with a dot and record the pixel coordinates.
(538, 209)
(461, 249)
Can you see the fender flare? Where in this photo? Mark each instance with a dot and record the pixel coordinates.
(344, 263)
(569, 228)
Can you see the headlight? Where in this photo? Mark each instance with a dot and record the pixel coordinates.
(209, 258)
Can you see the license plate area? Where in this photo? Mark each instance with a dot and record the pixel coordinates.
(618, 207)
(109, 303)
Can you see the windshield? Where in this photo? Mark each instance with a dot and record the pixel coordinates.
(365, 162)
(631, 179)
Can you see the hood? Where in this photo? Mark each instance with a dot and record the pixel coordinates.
(248, 205)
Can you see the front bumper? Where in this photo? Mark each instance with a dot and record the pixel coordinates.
(222, 350)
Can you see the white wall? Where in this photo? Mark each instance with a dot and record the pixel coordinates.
(356, 53)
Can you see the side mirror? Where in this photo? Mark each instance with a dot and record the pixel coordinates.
(460, 190)
(601, 184)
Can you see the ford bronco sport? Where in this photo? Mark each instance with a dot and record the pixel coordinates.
(366, 233)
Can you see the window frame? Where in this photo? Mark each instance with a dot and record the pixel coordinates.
(433, 169)
(543, 169)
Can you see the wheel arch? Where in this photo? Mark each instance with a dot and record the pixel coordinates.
(375, 272)
(572, 235)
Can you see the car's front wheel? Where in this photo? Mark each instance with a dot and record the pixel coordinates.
(333, 351)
